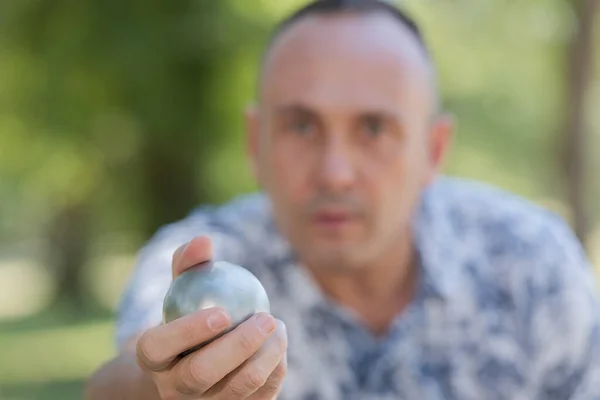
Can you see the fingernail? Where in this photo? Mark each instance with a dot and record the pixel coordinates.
(217, 320)
(265, 323)
(281, 325)
(179, 252)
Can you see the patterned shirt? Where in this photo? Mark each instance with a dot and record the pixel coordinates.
(506, 307)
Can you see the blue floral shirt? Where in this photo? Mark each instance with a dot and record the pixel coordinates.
(507, 305)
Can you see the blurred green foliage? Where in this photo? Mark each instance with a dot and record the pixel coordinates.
(123, 115)
(106, 102)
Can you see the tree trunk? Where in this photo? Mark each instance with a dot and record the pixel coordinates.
(579, 73)
(68, 245)
(169, 182)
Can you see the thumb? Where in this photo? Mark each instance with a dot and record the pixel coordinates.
(196, 251)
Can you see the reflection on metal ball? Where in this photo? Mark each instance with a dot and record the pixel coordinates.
(216, 284)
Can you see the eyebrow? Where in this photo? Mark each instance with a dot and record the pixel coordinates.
(299, 108)
(294, 108)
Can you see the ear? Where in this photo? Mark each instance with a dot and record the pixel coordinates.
(252, 128)
(440, 138)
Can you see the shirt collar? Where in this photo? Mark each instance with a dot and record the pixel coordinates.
(438, 245)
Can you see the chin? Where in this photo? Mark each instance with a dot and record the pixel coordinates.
(335, 258)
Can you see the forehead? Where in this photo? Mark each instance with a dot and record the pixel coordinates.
(346, 62)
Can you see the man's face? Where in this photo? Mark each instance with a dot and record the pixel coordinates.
(344, 138)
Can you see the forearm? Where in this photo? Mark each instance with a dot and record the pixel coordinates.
(121, 379)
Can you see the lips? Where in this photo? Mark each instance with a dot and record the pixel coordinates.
(333, 218)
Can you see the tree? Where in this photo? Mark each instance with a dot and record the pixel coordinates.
(580, 55)
(161, 66)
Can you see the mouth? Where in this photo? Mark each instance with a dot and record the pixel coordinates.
(333, 219)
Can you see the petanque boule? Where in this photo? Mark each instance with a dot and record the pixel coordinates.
(215, 284)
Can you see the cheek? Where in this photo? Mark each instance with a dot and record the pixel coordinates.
(287, 173)
(392, 183)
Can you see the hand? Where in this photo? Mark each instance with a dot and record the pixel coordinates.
(247, 363)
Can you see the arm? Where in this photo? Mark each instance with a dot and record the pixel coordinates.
(565, 325)
(588, 386)
(121, 379)
(141, 306)
(248, 362)
(140, 309)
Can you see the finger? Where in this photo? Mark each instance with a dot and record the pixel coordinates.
(159, 347)
(272, 387)
(201, 370)
(196, 251)
(262, 373)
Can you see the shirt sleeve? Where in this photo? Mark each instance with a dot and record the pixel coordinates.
(140, 307)
(565, 323)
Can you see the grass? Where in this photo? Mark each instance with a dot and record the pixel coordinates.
(56, 390)
(50, 354)
(45, 360)
(56, 354)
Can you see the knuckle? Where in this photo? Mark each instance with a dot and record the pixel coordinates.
(248, 341)
(188, 332)
(197, 377)
(279, 372)
(147, 351)
(185, 387)
(255, 378)
(250, 380)
(271, 389)
(239, 389)
(281, 343)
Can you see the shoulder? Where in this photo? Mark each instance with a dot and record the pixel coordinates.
(525, 264)
(509, 242)
(479, 201)
(232, 226)
(505, 223)
(233, 216)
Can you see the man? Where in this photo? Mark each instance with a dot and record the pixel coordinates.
(392, 282)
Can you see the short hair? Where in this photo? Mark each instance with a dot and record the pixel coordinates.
(332, 7)
(329, 7)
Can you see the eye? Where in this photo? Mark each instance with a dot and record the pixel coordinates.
(373, 126)
(301, 127)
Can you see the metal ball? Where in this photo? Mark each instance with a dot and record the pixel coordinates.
(215, 284)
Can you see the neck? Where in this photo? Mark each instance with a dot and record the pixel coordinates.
(377, 292)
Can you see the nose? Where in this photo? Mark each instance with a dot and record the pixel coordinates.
(337, 169)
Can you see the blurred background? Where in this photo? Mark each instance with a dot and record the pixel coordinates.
(119, 116)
